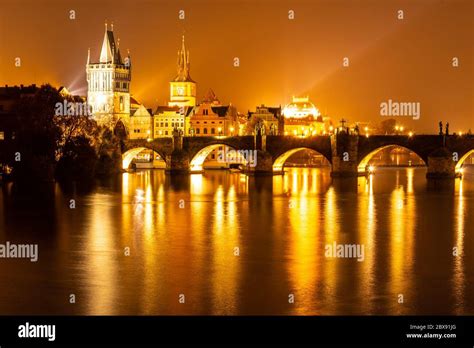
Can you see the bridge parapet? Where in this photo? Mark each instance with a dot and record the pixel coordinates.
(344, 155)
(346, 152)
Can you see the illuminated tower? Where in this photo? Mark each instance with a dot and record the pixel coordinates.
(108, 83)
(182, 88)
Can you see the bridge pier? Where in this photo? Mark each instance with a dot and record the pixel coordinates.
(441, 165)
(344, 149)
(178, 163)
(261, 165)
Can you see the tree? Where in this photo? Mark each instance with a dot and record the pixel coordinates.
(78, 160)
(37, 135)
(109, 153)
(387, 126)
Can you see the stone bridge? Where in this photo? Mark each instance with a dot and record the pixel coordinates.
(348, 154)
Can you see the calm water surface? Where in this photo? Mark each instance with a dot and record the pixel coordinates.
(183, 233)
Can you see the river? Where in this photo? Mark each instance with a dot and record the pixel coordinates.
(222, 243)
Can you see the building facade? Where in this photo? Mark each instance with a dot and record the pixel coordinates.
(167, 118)
(140, 124)
(302, 118)
(270, 117)
(213, 119)
(183, 88)
(108, 83)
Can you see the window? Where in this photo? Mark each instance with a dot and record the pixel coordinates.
(205, 112)
(2, 135)
(166, 132)
(205, 131)
(161, 124)
(213, 156)
(198, 130)
(213, 131)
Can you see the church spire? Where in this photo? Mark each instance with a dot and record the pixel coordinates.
(183, 64)
(110, 50)
(106, 54)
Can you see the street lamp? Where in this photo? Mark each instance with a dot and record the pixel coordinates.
(219, 130)
(231, 130)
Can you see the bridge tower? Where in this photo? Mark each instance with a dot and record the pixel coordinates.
(344, 147)
(108, 83)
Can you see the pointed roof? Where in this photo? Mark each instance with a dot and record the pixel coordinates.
(210, 97)
(141, 111)
(183, 65)
(109, 52)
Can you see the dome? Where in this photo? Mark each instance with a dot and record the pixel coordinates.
(299, 108)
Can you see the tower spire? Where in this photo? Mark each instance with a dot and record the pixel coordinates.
(108, 50)
(183, 63)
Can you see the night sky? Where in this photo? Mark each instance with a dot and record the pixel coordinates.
(404, 60)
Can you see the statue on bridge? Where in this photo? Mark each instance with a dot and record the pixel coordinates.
(447, 128)
(260, 128)
(177, 132)
(440, 128)
(356, 129)
(273, 130)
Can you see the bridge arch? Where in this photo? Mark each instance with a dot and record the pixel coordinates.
(463, 158)
(197, 161)
(366, 159)
(130, 154)
(279, 162)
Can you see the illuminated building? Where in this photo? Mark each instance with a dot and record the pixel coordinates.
(182, 100)
(302, 118)
(270, 117)
(140, 124)
(108, 83)
(166, 118)
(211, 118)
(183, 88)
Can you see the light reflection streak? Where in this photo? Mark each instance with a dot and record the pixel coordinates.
(459, 281)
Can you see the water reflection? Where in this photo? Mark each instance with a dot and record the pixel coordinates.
(233, 244)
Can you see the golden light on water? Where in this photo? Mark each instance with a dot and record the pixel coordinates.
(367, 230)
(308, 211)
(101, 250)
(459, 279)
